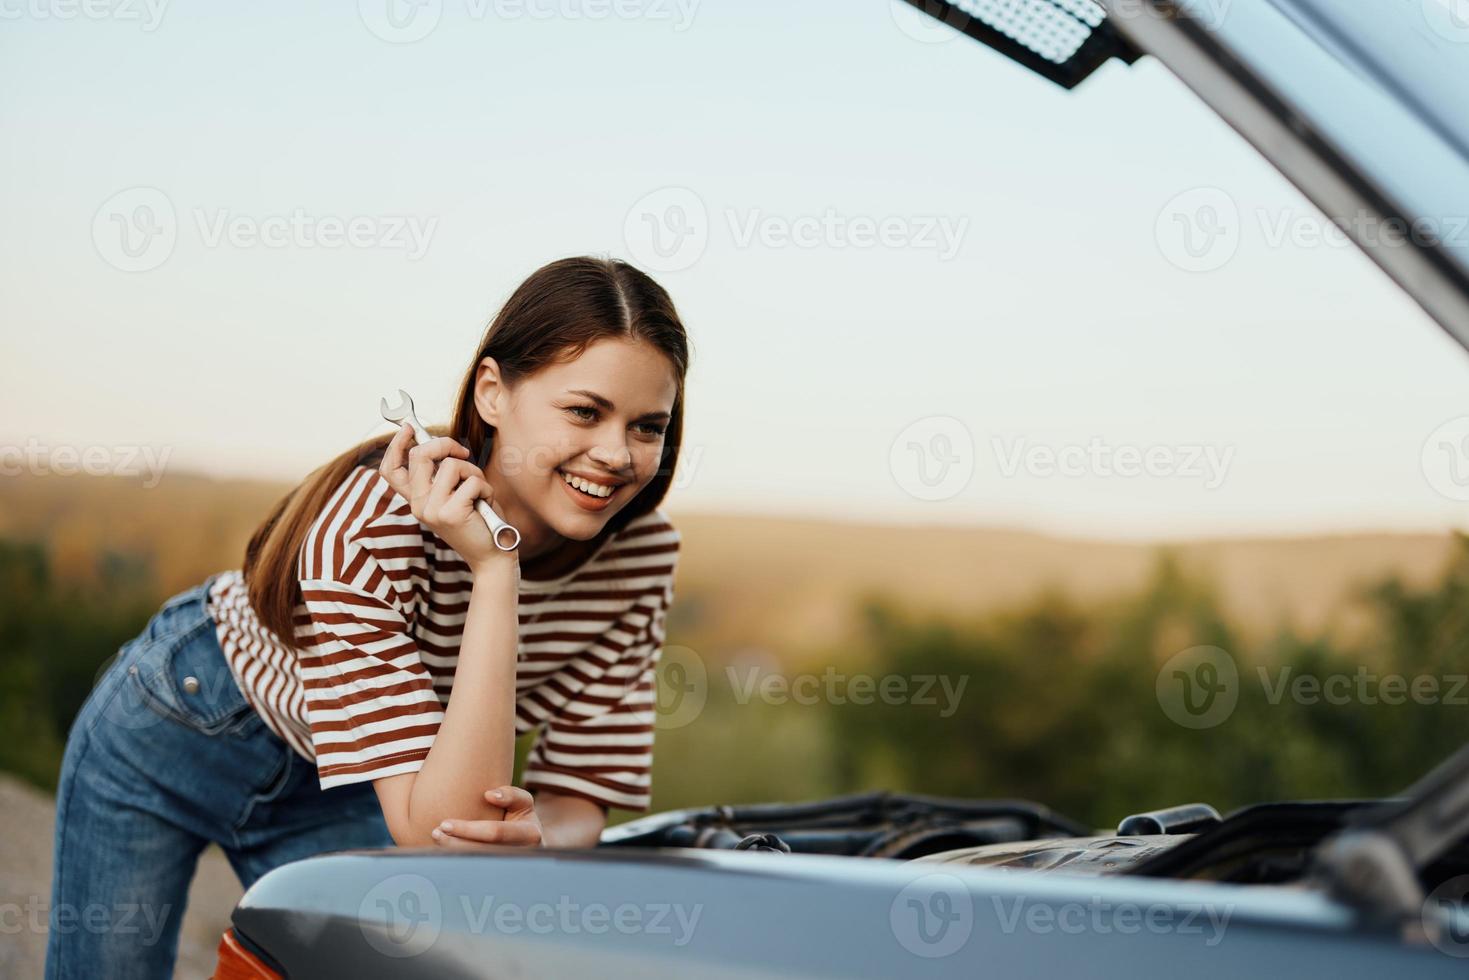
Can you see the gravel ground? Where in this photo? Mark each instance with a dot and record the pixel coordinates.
(25, 890)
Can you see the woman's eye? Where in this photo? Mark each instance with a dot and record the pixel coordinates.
(591, 413)
(650, 428)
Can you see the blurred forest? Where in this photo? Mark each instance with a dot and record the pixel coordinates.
(1058, 702)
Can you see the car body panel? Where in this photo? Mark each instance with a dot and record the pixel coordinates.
(760, 915)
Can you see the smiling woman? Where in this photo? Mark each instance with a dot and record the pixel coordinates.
(302, 703)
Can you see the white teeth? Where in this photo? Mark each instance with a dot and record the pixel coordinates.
(586, 486)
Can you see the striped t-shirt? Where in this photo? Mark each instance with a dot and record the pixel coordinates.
(384, 603)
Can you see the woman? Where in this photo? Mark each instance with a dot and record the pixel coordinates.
(302, 704)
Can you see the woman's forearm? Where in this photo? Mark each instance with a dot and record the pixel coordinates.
(475, 745)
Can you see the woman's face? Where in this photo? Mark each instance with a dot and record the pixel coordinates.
(575, 442)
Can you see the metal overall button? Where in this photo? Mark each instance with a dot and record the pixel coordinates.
(185, 677)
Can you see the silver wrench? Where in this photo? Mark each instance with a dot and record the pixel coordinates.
(404, 413)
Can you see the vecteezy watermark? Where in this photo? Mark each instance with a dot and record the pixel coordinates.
(1200, 687)
(1446, 917)
(136, 230)
(1363, 687)
(669, 229)
(830, 229)
(1449, 19)
(932, 916)
(401, 916)
(404, 915)
(1100, 459)
(1307, 229)
(1445, 459)
(37, 914)
(407, 21)
(569, 917)
(932, 458)
(147, 14)
(939, 691)
(1201, 230)
(682, 687)
(928, 22)
(39, 459)
(1102, 916)
(299, 229)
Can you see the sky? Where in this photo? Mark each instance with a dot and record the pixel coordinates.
(921, 284)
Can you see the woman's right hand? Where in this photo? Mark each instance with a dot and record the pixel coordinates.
(441, 486)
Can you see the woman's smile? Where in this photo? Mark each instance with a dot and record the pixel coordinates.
(588, 494)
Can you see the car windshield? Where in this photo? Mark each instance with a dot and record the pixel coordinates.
(1416, 49)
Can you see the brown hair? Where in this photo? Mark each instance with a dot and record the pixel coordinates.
(551, 317)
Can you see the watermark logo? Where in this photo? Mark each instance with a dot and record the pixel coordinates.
(1363, 687)
(407, 21)
(670, 229)
(148, 14)
(682, 687)
(1449, 19)
(932, 459)
(1199, 230)
(1199, 687)
(832, 230)
(1202, 230)
(1310, 229)
(667, 230)
(1445, 459)
(935, 23)
(404, 915)
(135, 230)
(1446, 917)
(569, 917)
(941, 692)
(932, 916)
(400, 21)
(40, 459)
(144, 922)
(1104, 917)
(1101, 460)
(401, 916)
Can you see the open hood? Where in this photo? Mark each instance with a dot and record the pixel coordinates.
(1360, 103)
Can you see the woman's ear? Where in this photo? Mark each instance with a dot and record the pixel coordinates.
(489, 391)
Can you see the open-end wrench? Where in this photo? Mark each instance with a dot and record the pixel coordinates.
(506, 537)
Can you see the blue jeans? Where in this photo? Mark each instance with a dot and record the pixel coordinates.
(165, 756)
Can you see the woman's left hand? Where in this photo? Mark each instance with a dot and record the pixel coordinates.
(520, 825)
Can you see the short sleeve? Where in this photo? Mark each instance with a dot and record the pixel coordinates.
(369, 699)
(608, 757)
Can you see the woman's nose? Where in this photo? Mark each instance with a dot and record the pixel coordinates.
(617, 457)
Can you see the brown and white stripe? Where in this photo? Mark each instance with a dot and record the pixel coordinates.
(384, 602)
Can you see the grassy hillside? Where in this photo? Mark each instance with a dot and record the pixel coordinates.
(780, 584)
(1059, 644)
